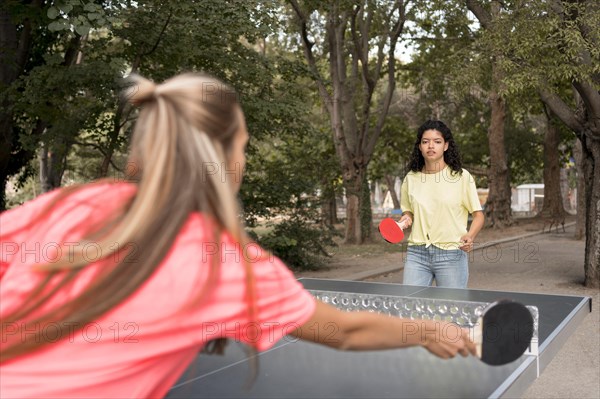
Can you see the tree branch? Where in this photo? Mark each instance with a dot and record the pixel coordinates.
(338, 124)
(91, 145)
(361, 45)
(391, 71)
(160, 35)
(100, 149)
(341, 86)
(72, 51)
(562, 110)
(482, 15)
(312, 64)
(590, 97)
(126, 118)
(477, 170)
(357, 50)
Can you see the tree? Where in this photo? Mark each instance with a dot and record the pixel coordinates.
(63, 103)
(353, 31)
(552, 43)
(536, 146)
(395, 146)
(498, 210)
(19, 27)
(553, 204)
(452, 72)
(46, 93)
(580, 224)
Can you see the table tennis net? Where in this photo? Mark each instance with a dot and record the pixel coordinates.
(462, 313)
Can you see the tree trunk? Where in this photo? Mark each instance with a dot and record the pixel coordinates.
(352, 232)
(583, 120)
(52, 166)
(353, 183)
(328, 203)
(6, 139)
(330, 211)
(591, 163)
(355, 67)
(553, 203)
(47, 173)
(366, 212)
(564, 189)
(581, 211)
(8, 73)
(17, 37)
(588, 133)
(3, 181)
(498, 211)
(113, 138)
(390, 180)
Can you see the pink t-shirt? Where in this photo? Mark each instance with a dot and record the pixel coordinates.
(140, 348)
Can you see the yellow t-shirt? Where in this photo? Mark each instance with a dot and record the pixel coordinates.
(441, 203)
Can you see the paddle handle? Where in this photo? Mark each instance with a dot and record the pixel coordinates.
(477, 332)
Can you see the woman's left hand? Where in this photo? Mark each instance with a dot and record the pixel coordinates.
(467, 243)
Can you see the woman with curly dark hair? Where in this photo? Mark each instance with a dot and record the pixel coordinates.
(437, 197)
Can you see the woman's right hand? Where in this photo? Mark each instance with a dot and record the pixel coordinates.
(406, 220)
(446, 340)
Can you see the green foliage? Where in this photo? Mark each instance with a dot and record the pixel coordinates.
(286, 170)
(450, 75)
(292, 165)
(78, 16)
(393, 148)
(76, 103)
(544, 48)
(23, 186)
(299, 243)
(525, 145)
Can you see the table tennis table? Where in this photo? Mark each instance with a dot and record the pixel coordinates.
(297, 369)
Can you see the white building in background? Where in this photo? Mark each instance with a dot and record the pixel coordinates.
(527, 198)
(388, 204)
(377, 202)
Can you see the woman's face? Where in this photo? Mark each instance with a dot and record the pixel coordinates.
(432, 146)
(237, 158)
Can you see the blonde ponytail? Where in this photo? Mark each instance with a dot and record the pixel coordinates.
(184, 124)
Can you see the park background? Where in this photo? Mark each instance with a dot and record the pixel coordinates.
(333, 92)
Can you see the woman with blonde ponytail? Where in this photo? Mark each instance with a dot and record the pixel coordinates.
(110, 289)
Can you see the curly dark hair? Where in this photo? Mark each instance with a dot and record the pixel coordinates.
(451, 156)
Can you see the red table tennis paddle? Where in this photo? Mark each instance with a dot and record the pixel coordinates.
(391, 231)
(503, 332)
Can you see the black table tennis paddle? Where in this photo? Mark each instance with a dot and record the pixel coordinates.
(503, 332)
(391, 231)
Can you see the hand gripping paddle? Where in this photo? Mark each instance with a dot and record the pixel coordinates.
(391, 231)
(503, 332)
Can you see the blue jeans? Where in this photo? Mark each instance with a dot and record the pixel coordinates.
(450, 268)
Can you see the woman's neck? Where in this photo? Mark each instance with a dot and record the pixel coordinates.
(434, 167)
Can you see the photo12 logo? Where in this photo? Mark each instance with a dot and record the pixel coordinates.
(70, 331)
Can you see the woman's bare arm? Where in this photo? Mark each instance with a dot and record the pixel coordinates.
(468, 240)
(370, 331)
